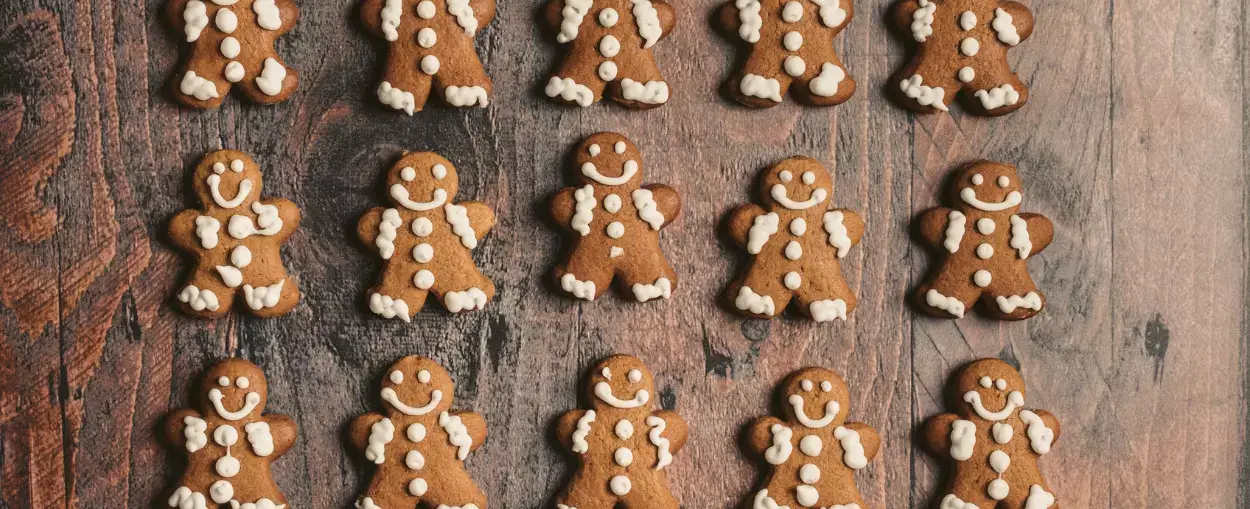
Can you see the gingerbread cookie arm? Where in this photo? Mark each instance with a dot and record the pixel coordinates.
(854, 225)
(552, 14)
(741, 220)
(360, 427)
(484, 10)
(1041, 231)
(371, 16)
(675, 429)
(759, 435)
(174, 15)
(937, 433)
(868, 438)
(290, 14)
(481, 217)
(290, 214)
(727, 18)
(563, 206)
(175, 431)
(667, 202)
(1021, 17)
(667, 16)
(566, 426)
(1051, 422)
(284, 432)
(475, 426)
(367, 227)
(182, 231)
(903, 14)
(932, 225)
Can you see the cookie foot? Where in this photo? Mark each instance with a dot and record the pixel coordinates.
(387, 307)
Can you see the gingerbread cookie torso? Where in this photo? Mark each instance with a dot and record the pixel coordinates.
(791, 44)
(232, 45)
(985, 241)
(994, 452)
(609, 51)
(235, 241)
(419, 443)
(621, 444)
(430, 48)
(426, 240)
(796, 243)
(961, 49)
(615, 222)
(228, 444)
(813, 452)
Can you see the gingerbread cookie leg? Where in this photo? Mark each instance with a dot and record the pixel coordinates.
(648, 276)
(649, 492)
(824, 81)
(384, 493)
(565, 87)
(192, 493)
(992, 95)
(1014, 299)
(584, 495)
(203, 82)
(966, 494)
(947, 297)
(463, 288)
(205, 294)
(761, 293)
(397, 296)
(585, 276)
(462, 81)
(927, 85)
(272, 295)
(403, 87)
(761, 83)
(638, 83)
(270, 81)
(454, 488)
(825, 296)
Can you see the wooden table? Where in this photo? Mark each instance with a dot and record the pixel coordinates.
(1134, 143)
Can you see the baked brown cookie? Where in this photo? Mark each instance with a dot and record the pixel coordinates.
(232, 45)
(609, 51)
(961, 49)
(994, 452)
(622, 446)
(430, 48)
(796, 243)
(984, 242)
(791, 43)
(615, 222)
(425, 240)
(228, 444)
(419, 444)
(812, 452)
(235, 241)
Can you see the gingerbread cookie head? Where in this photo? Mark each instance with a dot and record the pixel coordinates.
(989, 187)
(816, 398)
(620, 382)
(797, 184)
(417, 386)
(608, 159)
(234, 389)
(422, 181)
(990, 389)
(227, 179)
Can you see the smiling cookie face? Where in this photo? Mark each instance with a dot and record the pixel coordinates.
(608, 159)
(235, 390)
(417, 386)
(620, 381)
(989, 187)
(990, 389)
(816, 398)
(422, 181)
(797, 184)
(228, 179)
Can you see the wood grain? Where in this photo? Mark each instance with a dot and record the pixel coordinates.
(1134, 143)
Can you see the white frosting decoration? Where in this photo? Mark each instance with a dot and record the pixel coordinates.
(234, 72)
(580, 289)
(1020, 237)
(400, 194)
(464, 15)
(230, 275)
(806, 496)
(970, 46)
(827, 310)
(198, 299)
(662, 287)
(781, 196)
(457, 433)
(262, 297)
(798, 226)
(763, 501)
(391, 13)
(583, 428)
(651, 92)
(427, 37)
(963, 439)
(1040, 435)
(241, 227)
(241, 257)
(418, 486)
(1000, 461)
(569, 90)
(267, 15)
(387, 229)
(467, 300)
(1005, 28)
(620, 485)
(466, 96)
(197, 87)
(423, 280)
(792, 12)
(831, 14)
(953, 502)
(415, 432)
(607, 71)
(792, 41)
(615, 251)
(206, 228)
(852, 449)
(968, 20)
(809, 473)
(609, 46)
(226, 21)
(229, 47)
(1002, 432)
(794, 66)
(426, 9)
(584, 208)
(380, 434)
(458, 216)
(1039, 498)
(780, 451)
(982, 278)
(619, 147)
(826, 83)
(967, 74)
(969, 196)
(924, 95)
(831, 411)
(195, 15)
(749, 16)
(250, 401)
(836, 229)
(662, 455)
(396, 98)
(612, 203)
(986, 226)
(573, 13)
(764, 226)
(998, 489)
(754, 85)
(221, 491)
(627, 172)
(1009, 303)
(794, 251)
(644, 201)
(389, 396)
(997, 97)
(184, 498)
(423, 253)
(949, 304)
(430, 65)
(604, 392)
(748, 300)
(623, 429)
(623, 456)
(608, 17)
(271, 77)
(194, 432)
(922, 20)
(1014, 400)
(792, 280)
(648, 21)
(388, 307)
(811, 445)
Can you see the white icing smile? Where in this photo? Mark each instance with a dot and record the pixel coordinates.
(831, 411)
(781, 196)
(389, 396)
(214, 185)
(400, 194)
(627, 172)
(1014, 400)
(604, 392)
(970, 197)
(250, 401)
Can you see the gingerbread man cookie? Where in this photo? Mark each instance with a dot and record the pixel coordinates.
(622, 446)
(235, 241)
(813, 452)
(995, 452)
(425, 240)
(985, 241)
(430, 46)
(791, 43)
(962, 50)
(232, 45)
(228, 444)
(616, 222)
(419, 444)
(796, 243)
(609, 51)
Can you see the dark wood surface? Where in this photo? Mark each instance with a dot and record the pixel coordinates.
(1133, 143)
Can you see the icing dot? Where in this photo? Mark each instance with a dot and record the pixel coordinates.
(226, 21)
(608, 17)
(607, 71)
(230, 47)
(798, 226)
(1003, 432)
(634, 375)
(985, 251)
(594, 149)
(397, 377)
(427, 38)
(806, 385)
(809, 177)
(439, 171)
(794, 251)
(221, 491)
(234, 72)
(242, 382)
(1004, 181)
(806, 496)
(809, 473)
(223, 381)
(982, 278)
(612, 203)
(607, 373)
(422, 227)
(826, 386)
(241, 256)
(968, 20)
(236, 165)
(977, 179)
(623, 456)
(792, 41)
(408, 174)
(430, 64)
(423, 253)
(423, 376)
(624, 429)
(219, 168)
(425, 9)
(785, 176)
(998, 489)
(225, 435)
(620, 485)
(424, 279)
(985, 225)
(1000, 384)
(811, 445)
(986, 382)
(793, 281)
(969, 46)
(999, 461)
(619, 147)
(616, 230)
(417, 487)
(966, 74)
(794, 65)
(414, 460)
(227, 466)
(609, 46)
(792, 12)
(416, 432)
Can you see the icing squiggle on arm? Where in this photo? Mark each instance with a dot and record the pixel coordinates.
(583, 428)
(464, 15)
(648, 22)
(852, 449)
(573, 12)
(765, 226)
(836, 229)
(458, 216)
(662, 455)
(457, 433)
(644, 201)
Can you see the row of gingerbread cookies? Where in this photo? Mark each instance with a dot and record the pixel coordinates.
(425, 239)
(962, 50)
(622, 445)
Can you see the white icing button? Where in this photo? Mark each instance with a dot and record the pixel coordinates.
(609, 46)
(612, 203)
(241, 256)
(998, 489)
(982, 278)
(798, 226)
(793, 281)
(794, 251)
(809, 473)
(969, 46)
(794, 65)
(634, 376)
(792, 12)
(785, 176)
(417, 487)
(624, 429)
(792, 41)
(620, 485)
(616, 230)
(221, 491)
(985, 226)
(608, 17)
(985, 251)
(226, 21)
(416, 432)
(806, 496)
(607, 71)
(430, 64)
(422, 227)
(227, 466)
(225, 435)
(414, 460)
(423, 253)
(427, 38)
(230, 47)
(811, 445)
(999, 461)
(424, 279)
(425, 9)
(968, 20)
(623, 456)
(966, 74)
(1003, 432)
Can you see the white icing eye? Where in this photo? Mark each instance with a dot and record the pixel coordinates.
(439, 171)
(785, 176)
(423, 376)
(607, 373)
(594, 150)
(397, 377)
(631, 166)
(826, 386)
(1004, 181)
(635, 375)
(986, 382)
(1001, 384)
(224, 381)
(806, 385)
(237, 166)
(219, 168)
(977, 179)
(408, 174)
(242, 382)
(809, 177)
(619, 147)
